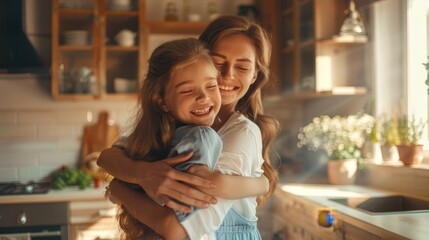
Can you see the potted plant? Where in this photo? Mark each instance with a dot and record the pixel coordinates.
(410, 132)
(389, 140)
(341, 139)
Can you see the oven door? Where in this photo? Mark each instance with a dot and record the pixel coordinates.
(34, 221)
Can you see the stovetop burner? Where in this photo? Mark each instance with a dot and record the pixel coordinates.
(18, 188)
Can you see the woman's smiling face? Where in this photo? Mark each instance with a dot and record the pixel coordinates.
(235, 59)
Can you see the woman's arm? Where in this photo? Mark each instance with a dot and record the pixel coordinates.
(158, 179)
(160, 219)
(231, 186)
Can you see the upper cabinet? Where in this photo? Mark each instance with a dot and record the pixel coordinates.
(97, 48)
(100, 47)
(308, 57)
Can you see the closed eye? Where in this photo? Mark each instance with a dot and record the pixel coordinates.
(186, 91)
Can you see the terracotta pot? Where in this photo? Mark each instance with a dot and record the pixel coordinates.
(410, 154)
(341, 172)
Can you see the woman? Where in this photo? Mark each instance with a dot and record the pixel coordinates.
(241, 53)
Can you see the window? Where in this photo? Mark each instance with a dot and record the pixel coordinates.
(401, 46)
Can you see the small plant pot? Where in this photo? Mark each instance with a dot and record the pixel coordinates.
(389, 153)
(410, 154)
(341, 172)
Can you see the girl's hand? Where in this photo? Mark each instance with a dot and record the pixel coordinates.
(164, 183)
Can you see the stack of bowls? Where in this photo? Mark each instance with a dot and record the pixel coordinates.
(122, 5)
(78, 37)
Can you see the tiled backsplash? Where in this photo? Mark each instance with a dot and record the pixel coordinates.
(33, 143)
(38, 134)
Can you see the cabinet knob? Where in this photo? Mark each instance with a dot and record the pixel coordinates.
(22, 218)
(326, 218)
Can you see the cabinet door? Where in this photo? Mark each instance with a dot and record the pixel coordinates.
(74, 49)
(93, 219)
(97, 48)
(351, 232)
(121, 49)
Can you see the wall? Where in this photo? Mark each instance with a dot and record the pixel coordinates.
(38, 134)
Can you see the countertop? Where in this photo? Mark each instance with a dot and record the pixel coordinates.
(405, 224)
(68, 194)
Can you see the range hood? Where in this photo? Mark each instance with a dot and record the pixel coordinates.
(17, 52)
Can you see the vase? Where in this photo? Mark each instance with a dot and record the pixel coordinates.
(410, 154)
(389, 153)
(342, 172)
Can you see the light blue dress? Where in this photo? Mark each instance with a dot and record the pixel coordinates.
(236, 227)
(206, 146)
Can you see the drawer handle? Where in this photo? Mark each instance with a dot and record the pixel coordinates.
(34, 234)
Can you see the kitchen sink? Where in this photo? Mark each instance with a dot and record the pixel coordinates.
(385, 204)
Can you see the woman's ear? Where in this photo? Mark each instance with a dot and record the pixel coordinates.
(255, 76)
(162, 105)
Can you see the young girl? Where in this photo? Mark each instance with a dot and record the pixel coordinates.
(179, 101)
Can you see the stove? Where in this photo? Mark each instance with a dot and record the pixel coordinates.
(19, 188)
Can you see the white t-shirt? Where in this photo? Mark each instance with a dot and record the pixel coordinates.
(241, 155)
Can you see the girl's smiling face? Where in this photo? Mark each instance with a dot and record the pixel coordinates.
(192, 94)
(235, 59)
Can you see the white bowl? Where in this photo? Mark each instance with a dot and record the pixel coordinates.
(125, 85)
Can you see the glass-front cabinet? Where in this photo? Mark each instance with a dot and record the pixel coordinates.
(97, 48)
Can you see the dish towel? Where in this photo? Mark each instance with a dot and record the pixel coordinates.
(17, 236)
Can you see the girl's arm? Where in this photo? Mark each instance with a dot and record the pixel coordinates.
(158, 179)
(231, 186)
(160, 219)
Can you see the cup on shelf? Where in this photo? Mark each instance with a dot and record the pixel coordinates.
(125, 38)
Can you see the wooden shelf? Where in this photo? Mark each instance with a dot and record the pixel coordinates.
(177, 27)
(346, 40)
(75, 47)
(122, 13)
(311, 95)
(116, 48)
(76, 11)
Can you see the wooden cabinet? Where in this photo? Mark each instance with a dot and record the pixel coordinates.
(295, 217)
(89, 61)
(307, 59)
(91, 220)
(86, 57)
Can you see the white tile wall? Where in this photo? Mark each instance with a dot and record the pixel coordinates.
(38, 134)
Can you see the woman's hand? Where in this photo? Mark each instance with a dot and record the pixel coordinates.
(164, 183)
(159, 179)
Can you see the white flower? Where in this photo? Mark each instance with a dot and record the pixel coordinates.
(339, 137)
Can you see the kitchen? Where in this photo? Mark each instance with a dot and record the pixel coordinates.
(41, 130)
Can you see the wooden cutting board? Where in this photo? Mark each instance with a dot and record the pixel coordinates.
(97, 137)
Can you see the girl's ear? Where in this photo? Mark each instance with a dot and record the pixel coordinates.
(162, 105)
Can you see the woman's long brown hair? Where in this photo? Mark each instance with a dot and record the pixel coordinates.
(153, 128)
(251, 104)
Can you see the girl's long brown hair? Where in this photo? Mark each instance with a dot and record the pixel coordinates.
(153, 128)
(251, 104)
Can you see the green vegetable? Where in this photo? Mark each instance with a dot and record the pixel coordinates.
(71, 177)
